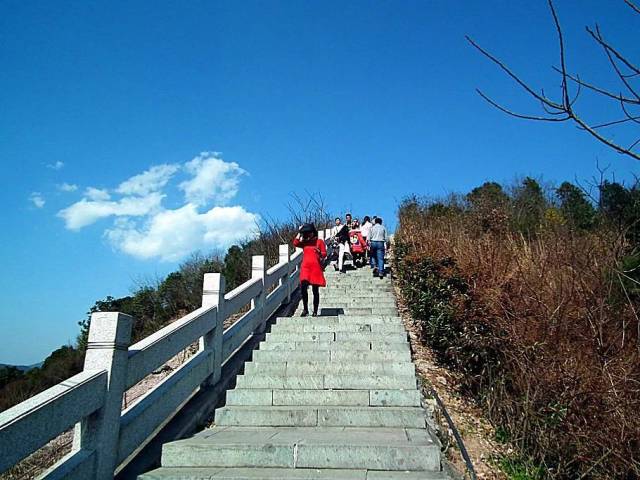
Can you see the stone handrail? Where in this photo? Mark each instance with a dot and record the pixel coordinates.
(106, 436)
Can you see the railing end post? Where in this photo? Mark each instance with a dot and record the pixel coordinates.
(107, 349)
(259, 270)
(283, 254)
(213, 289)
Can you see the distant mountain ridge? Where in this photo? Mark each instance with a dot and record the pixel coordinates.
(24, 368)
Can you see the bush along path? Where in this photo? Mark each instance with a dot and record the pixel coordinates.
(328, 397)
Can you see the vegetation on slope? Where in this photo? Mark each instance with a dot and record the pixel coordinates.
(154, 306)
(531, 295)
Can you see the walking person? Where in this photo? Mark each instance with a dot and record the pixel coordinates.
(313, 253)
(378, 239)
(348, 221)
(340, 234)
(365, 229)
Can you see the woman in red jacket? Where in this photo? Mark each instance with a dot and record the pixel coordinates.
(313, 252)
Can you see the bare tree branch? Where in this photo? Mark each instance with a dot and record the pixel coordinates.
(605, 140)
(563, 110)
(600, 90)
(519, 115)
(598, 38)
(632, 5)
(513, 75)
(616, 122)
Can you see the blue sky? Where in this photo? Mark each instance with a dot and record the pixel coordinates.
(133, 132)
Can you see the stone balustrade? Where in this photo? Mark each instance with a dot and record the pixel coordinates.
(105, 436)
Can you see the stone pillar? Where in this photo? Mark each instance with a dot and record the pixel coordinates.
(283, 257)
(107, 349)
(321, 234)
(258, 270)
(213, 296)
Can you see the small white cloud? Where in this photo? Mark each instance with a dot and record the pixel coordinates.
(55, 166)
(97, 194)
(85, 212)
(37, 199)
(67, 187)
(213, 179)
(172, 234)
(151, 180)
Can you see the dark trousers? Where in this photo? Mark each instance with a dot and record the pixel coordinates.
(305, 296)
(377, 256)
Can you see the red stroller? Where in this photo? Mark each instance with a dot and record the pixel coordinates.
(359, 248)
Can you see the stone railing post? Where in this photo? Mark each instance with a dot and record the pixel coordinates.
(283, 257)
(258, 270)
(213, 296)
(107, 349)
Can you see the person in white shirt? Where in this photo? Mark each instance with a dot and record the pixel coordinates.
(365, 229)
(340, 233)
(378, 239)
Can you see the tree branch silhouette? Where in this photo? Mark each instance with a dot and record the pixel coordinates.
(563, 109)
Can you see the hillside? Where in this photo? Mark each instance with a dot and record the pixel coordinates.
(22, 368)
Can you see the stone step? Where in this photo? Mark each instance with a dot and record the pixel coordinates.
(354, 311)
(335, 367)
(331, 355)
(342, 300)
(395, 449)
(328, 303)
(362, 398)
(361, 381)
(355, 287)
(338, 327)
(335, 337)
(320, 416)
(346, 298)
(354, 345)
(354, 292)
(339, 319)
(216, 473)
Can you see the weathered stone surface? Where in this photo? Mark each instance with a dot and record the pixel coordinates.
(281, 382)
(365, 381)
(257, 474)
(405, 398)
(253, 396)
(321, 397)
(290, 355)
(339, 448)
(266, 416)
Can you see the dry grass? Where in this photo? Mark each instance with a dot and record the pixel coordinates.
(547, 339)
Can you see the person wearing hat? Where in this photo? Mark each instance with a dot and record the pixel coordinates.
(314, 252)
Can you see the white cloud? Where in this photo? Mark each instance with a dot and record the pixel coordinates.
(143, 228)
(213, 179)
(97, 194)
(85, 212)
(172, 234)
(55, 166)
(67, 187)
(151, 180)
(37, 199)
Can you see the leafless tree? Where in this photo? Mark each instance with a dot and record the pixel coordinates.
(563, 109)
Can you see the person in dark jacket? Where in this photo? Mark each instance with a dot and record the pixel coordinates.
(340, 234)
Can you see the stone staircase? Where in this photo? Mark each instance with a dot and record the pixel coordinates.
(331, 397)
